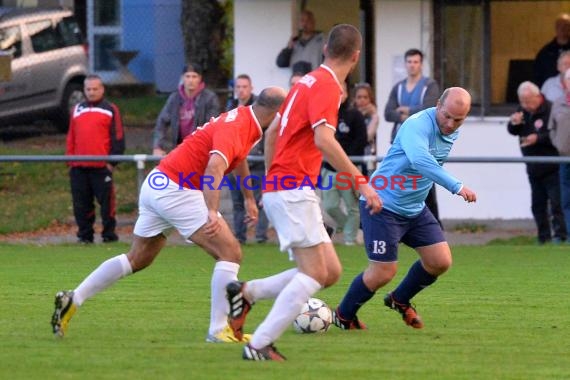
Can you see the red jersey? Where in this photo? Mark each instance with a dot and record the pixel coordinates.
(231, 135)
(314, 100)
(95, 129)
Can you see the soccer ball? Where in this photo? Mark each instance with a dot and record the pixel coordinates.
(315, 317)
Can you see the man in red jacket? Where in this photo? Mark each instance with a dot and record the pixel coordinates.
(95, 128)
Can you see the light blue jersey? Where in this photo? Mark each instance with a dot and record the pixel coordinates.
(413, 164)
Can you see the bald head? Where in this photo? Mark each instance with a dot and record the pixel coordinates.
(267, 104)
(271, 98)
(452, 109)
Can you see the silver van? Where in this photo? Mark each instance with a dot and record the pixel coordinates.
(49, 64)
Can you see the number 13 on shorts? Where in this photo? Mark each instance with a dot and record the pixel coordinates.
(378, 247)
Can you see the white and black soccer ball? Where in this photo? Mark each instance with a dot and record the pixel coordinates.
(315, 317)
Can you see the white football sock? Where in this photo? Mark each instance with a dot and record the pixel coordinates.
(101, 278)
(285, 309)
(224, 273)
(268, 287)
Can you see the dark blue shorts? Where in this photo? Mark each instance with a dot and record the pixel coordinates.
(385, 230)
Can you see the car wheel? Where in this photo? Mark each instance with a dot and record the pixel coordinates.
(72, 95)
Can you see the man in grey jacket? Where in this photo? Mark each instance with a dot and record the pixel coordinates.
(559, 127)
(304, 51)
(190, 106)
(409, 96)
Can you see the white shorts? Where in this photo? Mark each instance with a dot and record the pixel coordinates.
(163, 205)
(297, 218)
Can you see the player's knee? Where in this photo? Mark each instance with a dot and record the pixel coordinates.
(333, 275)
(230, 251)
(379, 274)
(440, 265)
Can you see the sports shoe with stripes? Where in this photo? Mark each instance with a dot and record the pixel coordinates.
(239, 307)
(408, 312)
(265, 353)
(345, 324)
(64, 310)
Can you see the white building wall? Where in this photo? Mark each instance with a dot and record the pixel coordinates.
(261, 29)
(502, 189)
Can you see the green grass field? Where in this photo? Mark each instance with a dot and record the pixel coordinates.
(502, 312)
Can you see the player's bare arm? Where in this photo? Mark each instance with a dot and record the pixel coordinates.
(270, 137)
(335, 155)
(251, 209)
(215, 169)
(467, 194)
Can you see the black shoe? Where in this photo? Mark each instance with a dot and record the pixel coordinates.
(239, 307)
(84, 241)
(110, 239)
(353, 324)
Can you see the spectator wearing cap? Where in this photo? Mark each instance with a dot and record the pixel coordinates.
(187, 108)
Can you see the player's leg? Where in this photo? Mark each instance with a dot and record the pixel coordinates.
(83, 207)
(382, 233)
(306, 282)
(426, 237)
(148, 240)
(226, 250)
(142, 253)
(297, 218)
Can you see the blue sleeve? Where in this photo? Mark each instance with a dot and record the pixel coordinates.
(415, 135)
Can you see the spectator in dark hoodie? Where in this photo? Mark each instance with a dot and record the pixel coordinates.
(189, 107)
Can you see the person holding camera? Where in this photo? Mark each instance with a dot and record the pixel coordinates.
(530, 124)
(304, 51)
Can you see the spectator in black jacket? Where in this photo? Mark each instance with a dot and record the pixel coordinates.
(530, 124)
(545, 61)
(351, 134)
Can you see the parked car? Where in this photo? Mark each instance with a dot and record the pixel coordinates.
(49, 64)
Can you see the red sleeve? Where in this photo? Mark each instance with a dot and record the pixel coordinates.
(323, 104)
(227, 142)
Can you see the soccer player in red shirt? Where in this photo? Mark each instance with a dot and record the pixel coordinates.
(184, 192)
(301, 134)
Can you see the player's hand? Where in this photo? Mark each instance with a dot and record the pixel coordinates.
(251, 211)
(468, 195)
(213, 225)
(373, 201)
